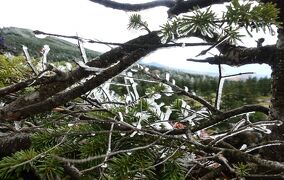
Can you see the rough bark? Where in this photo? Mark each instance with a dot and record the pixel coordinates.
(277, 88)
(14, 142)
(277, 108)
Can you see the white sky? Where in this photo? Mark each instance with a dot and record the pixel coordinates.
(94, 21)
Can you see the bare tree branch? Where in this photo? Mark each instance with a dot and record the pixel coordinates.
(126, 44)
(134, 7)
(175, 7)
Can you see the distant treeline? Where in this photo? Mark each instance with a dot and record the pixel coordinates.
(235, 92)
(12, 39)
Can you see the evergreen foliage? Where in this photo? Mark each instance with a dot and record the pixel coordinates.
(122, 129)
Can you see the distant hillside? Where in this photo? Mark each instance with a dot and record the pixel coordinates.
(13, 38)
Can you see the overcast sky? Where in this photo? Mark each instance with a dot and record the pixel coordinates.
(94, 21)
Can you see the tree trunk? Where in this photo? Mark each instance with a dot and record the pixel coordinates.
(277, 104)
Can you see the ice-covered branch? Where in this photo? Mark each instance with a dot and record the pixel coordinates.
(135, 45)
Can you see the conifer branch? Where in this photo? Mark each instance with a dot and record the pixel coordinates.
(80, 161)
(41, 154)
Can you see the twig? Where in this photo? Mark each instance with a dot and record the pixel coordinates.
(214, 45)
(122, 44)
(29, 61)
(266, 144)
(239, 74)
(231, 113)
(189, 171)
(107, 153)
(91, 168)
(219, 88)
(248, 127)
(109, 142)
(82, 50)
(225, 162)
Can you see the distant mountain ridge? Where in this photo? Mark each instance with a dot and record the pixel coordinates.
(12, 39)
(158, 65)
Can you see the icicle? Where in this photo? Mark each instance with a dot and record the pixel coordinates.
(44, 52)
(134, 70)
(139, 126)
(185, 108)
(29, 60)
(168, 77)
(185, 88)
(168, 113)
(68, 66)
(82, 50)
(17, 125)
(168, 90)
(70, 125)
(40, 36)
(239, 124)
(173, 82)
(130, 77)
(104, 165)
(120, 116)
(244, 146)
(220, 91)
(156, 96)
(128, 99)
(136, 95)
(247, 116)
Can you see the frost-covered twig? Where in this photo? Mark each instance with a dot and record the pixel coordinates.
(266, 144)
(228, 114)
(109, 142)
(88, 68)
(121, 44)
(45, 50)
(82, 50)
(248, 127)
(29, 60)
